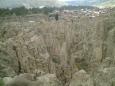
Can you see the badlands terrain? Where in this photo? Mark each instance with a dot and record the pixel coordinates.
(74, 51)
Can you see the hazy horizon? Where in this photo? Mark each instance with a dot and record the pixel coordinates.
(28, 3)
(37, 3)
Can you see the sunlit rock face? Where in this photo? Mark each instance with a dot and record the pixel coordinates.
(81, 78)
(105, 77)
(24, 80)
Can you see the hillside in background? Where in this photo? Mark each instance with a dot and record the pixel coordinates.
(28, 3)
(98, 3)
(57, 3)
(83, 2)
(107, 3)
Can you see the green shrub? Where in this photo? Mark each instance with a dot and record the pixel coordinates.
(1, 82)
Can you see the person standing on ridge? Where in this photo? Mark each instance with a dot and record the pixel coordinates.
(56, 17)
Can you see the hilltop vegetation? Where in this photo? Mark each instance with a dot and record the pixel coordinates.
(20, 11)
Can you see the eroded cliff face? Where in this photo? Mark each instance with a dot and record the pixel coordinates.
(74, 51)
